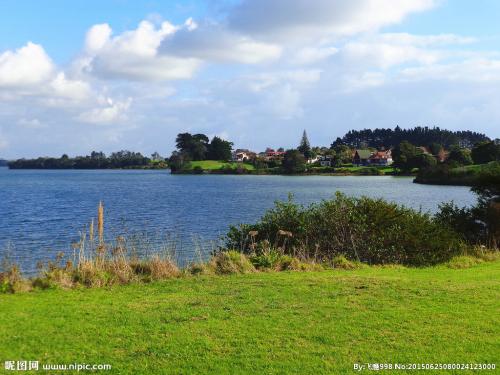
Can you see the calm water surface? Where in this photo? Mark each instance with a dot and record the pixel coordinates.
(42, 212)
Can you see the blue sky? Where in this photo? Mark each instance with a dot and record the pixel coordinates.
(106, 75)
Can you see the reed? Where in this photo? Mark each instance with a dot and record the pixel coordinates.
(91, 231)
(100, 223)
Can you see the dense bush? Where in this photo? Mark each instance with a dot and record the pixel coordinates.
(479, 224)
(363, 229)
(452, 174)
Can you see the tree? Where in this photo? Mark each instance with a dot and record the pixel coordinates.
(196, 146)
(423, 161)
(343, 154)
(484, 152)
(305, 146)
(460, 156)
(219, 149)
(293, 162)
(420, 136)
(183, 141)
(178, 160)
(404, 156)
(435, 148)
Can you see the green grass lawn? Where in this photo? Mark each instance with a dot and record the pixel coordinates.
(354, 169)
(264, 323)
(216, 164)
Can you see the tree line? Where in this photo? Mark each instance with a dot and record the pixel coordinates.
(96, 160)
(418, 135)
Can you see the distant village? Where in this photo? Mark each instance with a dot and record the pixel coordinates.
(361, 157)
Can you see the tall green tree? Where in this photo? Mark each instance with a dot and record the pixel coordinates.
(294, 162)
(407, 157)
(484, 152)
(219, 149)
(195, 146)
(460, 156)
(305, 146)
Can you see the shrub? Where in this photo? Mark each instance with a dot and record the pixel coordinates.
(228, 262)
(10, 279)
(463, 220)
(340, 261)
(463, 261)
(364, 229)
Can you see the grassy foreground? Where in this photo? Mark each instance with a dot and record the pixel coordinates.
(263, 323)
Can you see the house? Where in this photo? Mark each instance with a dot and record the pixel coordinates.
(361, 157)
(383, 157)
(242, 154)
(326, 160)
(313, 160)
(271, 154)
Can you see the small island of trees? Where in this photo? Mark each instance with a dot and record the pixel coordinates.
(96, 160)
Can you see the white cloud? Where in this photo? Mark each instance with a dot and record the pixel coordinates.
(97, 37)
(263, 81)
(385, 55)
(29, 65)
(217, 44)
(475, 70)
(386, 50)
(111, 112)
(33, 123)
(422, 40)
(310, 55)
(305, 19)
(134, 54)
(70, 89)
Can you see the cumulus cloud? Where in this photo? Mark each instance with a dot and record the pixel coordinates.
(310, 55)
(29, 65)
(70, 89)
(109, 113)
(97, 37)
(305, 19)
(134, 54)
(217, 44)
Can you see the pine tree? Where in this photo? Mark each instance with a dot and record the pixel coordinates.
(305, 146)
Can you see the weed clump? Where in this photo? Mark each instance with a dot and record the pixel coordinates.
(229, 262)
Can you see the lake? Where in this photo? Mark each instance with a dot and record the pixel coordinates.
(43, 211)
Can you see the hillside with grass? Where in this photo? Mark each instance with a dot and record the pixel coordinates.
(217, 165)
(288, 322)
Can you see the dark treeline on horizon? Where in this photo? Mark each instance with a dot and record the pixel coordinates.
(96, 160)
(421, 136)
(199, 147)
